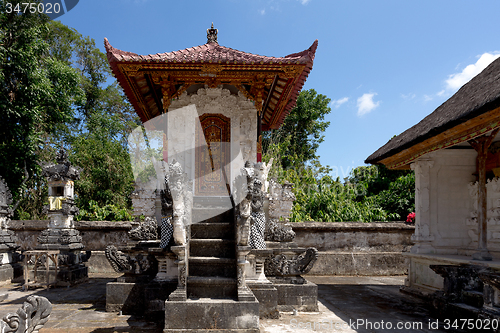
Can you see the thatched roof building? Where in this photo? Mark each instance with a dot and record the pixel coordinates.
(471, 112)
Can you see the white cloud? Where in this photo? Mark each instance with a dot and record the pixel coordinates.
(366, 104)
(262, 12)
(337, 103)
(455, 81)
(304, 2)
(408, 96)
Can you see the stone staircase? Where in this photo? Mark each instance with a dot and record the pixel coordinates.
(212, 252)
(213, 302)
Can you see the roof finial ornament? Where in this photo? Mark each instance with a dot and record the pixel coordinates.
(212, 35)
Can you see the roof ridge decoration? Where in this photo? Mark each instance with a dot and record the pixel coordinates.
(212, 35)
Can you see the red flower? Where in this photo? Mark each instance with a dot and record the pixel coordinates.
(411, 217)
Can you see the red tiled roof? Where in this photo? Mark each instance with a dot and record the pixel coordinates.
(214, 53)
(210, 53)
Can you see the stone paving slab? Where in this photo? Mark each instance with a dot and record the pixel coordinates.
(342, 301)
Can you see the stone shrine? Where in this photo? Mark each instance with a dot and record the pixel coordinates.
(205, 109)
(61, 234)
(9, 266)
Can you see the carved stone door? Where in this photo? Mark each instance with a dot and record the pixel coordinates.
(213, 158)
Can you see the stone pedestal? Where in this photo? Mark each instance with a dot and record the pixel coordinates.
(72, 269)
(147, 282)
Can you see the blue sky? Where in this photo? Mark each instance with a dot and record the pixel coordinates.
(385, 64)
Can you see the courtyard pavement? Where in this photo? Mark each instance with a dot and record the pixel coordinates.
(346, 304)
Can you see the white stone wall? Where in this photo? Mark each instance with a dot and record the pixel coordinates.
(143, 200)
(183, 120)
(442, 201)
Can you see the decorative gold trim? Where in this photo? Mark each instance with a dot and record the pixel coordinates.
(460, 133)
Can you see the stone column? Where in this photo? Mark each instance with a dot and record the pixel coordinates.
(180, 294)
(244, 293)
(422, 236)
(481, 145)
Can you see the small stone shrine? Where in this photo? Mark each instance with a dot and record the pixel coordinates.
(9, 266)
(210, 104)
(61, 234)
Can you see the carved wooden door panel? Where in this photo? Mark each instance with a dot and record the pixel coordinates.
(212, 158)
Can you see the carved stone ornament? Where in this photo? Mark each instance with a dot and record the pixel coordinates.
(118, 260)
(5, 199)
(63, 170)
(148, 230)
(277, 232)
(29, 318)
(280, 265)
(59, 236)
(123, 263)
(243, 189)
(182, 276)
(212, 34)
(181, 191)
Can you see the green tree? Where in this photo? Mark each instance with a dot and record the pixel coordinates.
(94, 132)
(106, 180)
(296, 142)
(37, 92)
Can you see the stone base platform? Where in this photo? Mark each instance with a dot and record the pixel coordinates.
(423, 281)
(300, 297)
(10, 272)
(139, 298)
(212, 315)
(267, 295)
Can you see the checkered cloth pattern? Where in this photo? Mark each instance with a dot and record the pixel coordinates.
(257, 231)
(167, 230)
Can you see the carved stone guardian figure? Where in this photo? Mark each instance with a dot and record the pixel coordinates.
(258, 226)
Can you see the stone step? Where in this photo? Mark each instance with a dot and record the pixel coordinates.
(212, 266)
(212, 230)
(221, 248)
(216, 287)
(208, 315)
(211, 214)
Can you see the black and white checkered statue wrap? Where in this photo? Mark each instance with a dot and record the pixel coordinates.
(166, 227)
(258, 222)
(167, 230)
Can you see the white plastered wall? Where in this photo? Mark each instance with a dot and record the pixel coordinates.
(183, 119)
(442, 201)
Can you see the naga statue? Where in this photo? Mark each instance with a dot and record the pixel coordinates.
(124, 263)
(29, 318)
(280, 265)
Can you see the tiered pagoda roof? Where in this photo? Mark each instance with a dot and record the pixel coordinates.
(152, 81)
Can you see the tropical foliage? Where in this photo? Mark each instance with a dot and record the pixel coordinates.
(55, 93)
(369, 193)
